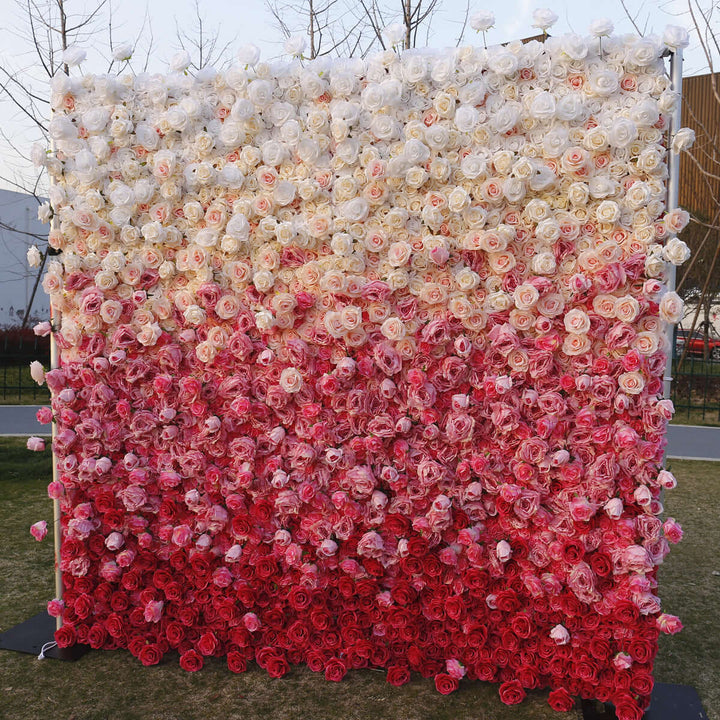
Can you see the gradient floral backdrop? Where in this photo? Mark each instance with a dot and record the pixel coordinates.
(362, 364)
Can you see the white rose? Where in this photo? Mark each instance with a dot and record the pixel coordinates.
(482, 20)
(416, 152)
(644, 52)
(543, 106)
(414, 68)
(73, 56)
(676, 251)
(570, 107)
(238, 227)
(466, 118)
(473, 166)
(544, 18)
(263, 280)
(194, 315)
(122, 52)
(248, 55)
(683, 139)
(574, 47)
(544, 263)
(284, 193)
(291, 380)
(273, 153)
(603, 82)
(600, 186)
(671, 307)
(623, 133)
(295, 45)
(260, 92)
(502, 62)
(264, 320)
(34, 258)
(675, 37)
(466, 280)
(607, 212)
(394, 34)
(179, 62)
(645, 113)
(393, 329)
(355, 210)
(602, 27)
(95, 119)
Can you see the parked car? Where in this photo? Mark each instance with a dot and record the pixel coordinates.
(696, 343)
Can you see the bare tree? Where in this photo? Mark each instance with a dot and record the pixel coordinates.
(47, 28)
(202, 43)
(355, 28)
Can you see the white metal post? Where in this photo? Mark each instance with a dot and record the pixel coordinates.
(55, 363)
(676, 63)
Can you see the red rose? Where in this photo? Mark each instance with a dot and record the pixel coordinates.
(114, 625)
(561, 700)
(236, 662)
(398, 675)
(150, 655)
(207, 644)
(277, 666)
(335, 670)
(65, 636)
(445, 683)
(512, 692)
(191, 661)
(97, 636)
(627, 709)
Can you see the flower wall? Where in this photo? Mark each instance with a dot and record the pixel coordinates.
(361, 365)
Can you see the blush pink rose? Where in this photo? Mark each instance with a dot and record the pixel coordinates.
(35, 444)
(39, 530)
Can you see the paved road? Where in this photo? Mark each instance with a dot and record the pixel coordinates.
(20, 420)
(684, 441)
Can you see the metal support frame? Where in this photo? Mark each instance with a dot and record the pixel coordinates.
(55, 363)
(676, 64)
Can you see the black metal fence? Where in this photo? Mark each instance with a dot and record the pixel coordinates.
(18, 348)
(696, 390)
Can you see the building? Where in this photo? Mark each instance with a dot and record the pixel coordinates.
(18, 224)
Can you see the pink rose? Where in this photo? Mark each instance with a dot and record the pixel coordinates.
(669, 624)
(55, 490)
(455, 669)
(37, 372)
(114, 541)
(673, 531)
(35, 444)
(560, 635)
(251, 621)
(44, 415)
(39, 530)
(55, 607)
(153, 611)
(43, 329)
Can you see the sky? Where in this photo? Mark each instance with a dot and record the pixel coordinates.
(238, 22)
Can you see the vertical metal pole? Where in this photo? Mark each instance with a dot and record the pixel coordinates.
(55, 363)
(676, 62)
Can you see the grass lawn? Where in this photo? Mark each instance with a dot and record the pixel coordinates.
(115, 686)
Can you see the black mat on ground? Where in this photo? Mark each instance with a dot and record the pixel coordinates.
(668, 702)
(31, 635)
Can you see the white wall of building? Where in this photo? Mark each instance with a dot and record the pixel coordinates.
(19, 211)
